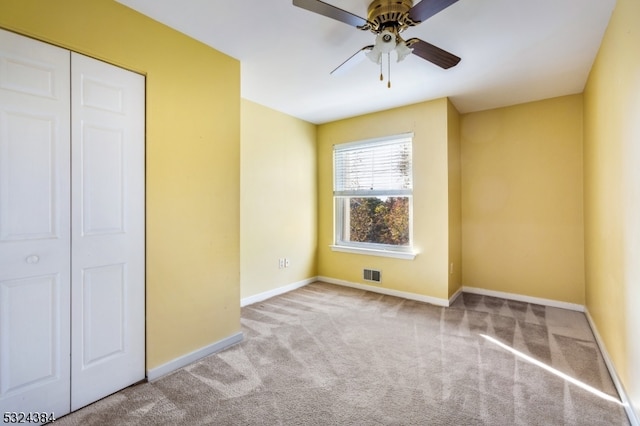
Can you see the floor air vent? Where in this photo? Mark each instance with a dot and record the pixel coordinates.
(372, 275)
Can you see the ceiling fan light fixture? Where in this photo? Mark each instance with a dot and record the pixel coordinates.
(375, 55)
(402, 50)
(386, 41)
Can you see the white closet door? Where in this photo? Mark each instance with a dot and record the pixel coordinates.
(107, 243)
(34, 226)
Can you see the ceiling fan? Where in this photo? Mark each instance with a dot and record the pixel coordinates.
(387, 19)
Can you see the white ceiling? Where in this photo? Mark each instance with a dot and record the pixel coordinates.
(512, 51)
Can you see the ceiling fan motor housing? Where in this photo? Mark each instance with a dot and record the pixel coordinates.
(385, 14)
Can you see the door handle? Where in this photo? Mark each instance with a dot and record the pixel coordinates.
(33, 259)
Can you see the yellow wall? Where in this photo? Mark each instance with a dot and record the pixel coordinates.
(192, 157)
(522, 204)
(278, 199)
(428, 273)
(612, 193)
(455, 200)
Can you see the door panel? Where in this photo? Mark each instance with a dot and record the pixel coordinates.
(104, 327)
(108, 231)
(103, 180)
(29, 142)
(30, 331)
(34, 226)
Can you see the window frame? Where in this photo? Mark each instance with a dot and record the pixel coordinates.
(341, 206)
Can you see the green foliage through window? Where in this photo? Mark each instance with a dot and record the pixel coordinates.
(379, 220)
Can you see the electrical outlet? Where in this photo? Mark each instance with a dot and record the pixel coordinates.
(286, 262)
(281, 263)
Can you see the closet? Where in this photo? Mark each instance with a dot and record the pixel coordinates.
(72, 268)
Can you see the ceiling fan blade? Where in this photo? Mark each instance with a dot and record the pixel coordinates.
(432, 53)
(427, 8)
(331, 11)
(353, 60)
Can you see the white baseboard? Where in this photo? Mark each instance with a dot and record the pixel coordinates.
(628, 407)
(455, 296)
(389, 292)
(183, 361)
(521, 298)
(275, 292)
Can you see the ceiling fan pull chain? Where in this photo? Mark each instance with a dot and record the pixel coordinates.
(389, 70)
(381, 76)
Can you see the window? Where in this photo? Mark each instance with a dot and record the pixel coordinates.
(372, 190)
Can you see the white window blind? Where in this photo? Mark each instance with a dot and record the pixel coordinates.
(377, 167)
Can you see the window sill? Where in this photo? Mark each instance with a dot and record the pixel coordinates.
(373, 252)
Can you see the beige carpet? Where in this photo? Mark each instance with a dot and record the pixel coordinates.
(328, 355)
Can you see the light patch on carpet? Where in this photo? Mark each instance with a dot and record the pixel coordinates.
(553, 371)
